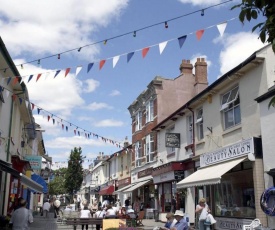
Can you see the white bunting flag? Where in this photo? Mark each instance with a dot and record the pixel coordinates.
(162, 46)
(115, 60)
(221, 27)
(78, 69)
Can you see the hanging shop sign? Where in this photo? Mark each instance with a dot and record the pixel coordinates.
(172, 140)
(35, 161)
(267, 201)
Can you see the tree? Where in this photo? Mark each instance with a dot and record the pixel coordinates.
(74, 174)
(250, 10)
(57, 185)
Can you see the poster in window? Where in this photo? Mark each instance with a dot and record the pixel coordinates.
(172, 140)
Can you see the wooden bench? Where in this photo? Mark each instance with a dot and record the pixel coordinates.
(80, 221)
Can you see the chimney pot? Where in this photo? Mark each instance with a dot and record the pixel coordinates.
(186, 67)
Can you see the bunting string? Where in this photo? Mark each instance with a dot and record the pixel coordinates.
(162, 45)
(104, 41)
(65, 125)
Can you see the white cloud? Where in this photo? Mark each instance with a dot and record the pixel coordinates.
(56, 95)
(96, 106)
(45, 27)
(115, 93)
(109, 123)
(201, 2)
(236, 48)
(90, 85)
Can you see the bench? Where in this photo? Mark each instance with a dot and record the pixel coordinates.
(80, 221)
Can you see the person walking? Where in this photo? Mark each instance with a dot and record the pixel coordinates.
(56, 205)
(22, 217)
(127, 203)
(46, 208)
(85, 213)
(202, 211)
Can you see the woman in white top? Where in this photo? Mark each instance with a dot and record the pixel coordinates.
(85, 213)
(202, 211)
(110, 213)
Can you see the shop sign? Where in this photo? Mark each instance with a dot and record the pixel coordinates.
(172, 140)
(230, 152)
(230, 223)
(35, 161)
(164, 177)
(125, 181)
(146, 172)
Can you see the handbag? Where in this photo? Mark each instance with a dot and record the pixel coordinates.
(207, 222)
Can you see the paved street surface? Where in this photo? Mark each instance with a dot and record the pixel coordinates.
(42, 223)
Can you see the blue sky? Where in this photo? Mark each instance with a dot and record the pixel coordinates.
(97, 101)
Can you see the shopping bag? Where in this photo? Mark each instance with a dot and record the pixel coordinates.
(203, 214)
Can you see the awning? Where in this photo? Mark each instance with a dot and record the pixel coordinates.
(137, 185)
(209, 175)
(107, 190)
(30, 183)
(38, 179)
(6, 167)
(124, 188)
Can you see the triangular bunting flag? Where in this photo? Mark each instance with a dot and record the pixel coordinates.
(67, 71)
(101, 63)
(145, 51)
(32, 106)
(30, 77)
(182, 40)
(20, 100)
(74, 132)
(90, 65)
(115, 60)
(57, 72)
(78, 133)
(49, 117)
(38, 76)
(221, 28)
(9, 80)
(162, 47)
(67, 128)
(62, 126)
(78, 69)
(13, 97)
(38, 110)
(53, 121)
(129, 56)
(7, 93)
(199, 34)
(15, 80)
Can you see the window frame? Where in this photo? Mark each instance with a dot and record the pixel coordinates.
(149, 147)
(149, 111)
(138, 154)
(199, 123)
(230, 108)
(138, 118)
(189, 127)
(170, 150)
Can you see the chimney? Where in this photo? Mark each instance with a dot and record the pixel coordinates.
(186, 67)
(201, 82)
(126, 143)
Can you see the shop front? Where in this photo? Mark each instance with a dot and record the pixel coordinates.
(165, 178)
(122, 185)
(107, 190)
(230, 179)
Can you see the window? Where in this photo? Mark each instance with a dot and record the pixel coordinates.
(199, 123)
(149, 111)
(235, 197)
(138, 120)
(149, 148)
(138, 152)
(231, 108)
(189, 130)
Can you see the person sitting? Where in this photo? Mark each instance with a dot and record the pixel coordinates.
(85, 213)
(171, 221)
(131, 213)
(67, 211)
(94, 207)
(122, 213)
(110, 212)
(181, 223)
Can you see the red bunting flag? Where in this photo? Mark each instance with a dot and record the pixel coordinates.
(13, 97)
(32, 106)
(49, 117)
(15, 80)
(67, 71)
(101, 63)
(199, 34)
(38, 76)
(145, 51)
(74, 132)
(62, 126)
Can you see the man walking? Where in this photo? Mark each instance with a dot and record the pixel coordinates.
(22, 217)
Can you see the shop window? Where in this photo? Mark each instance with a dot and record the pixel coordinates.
(170, 150)
(234, 197)
(230, 107)
(167, 187)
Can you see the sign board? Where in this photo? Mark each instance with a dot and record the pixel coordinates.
(172, 140)
(35, 161)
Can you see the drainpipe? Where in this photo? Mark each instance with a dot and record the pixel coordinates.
(193, 117)
(7, 156)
